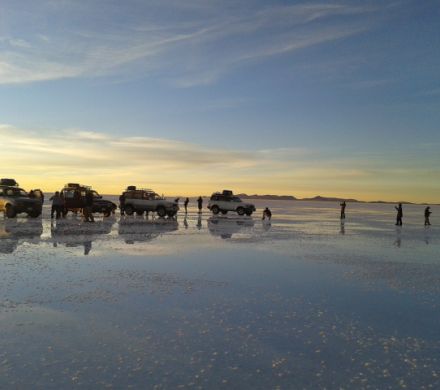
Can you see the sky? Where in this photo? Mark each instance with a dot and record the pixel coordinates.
(305, 98)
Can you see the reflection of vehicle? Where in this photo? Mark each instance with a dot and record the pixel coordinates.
(138, 200)
(73, 233)
(225, 227)
(133, 230)
(13, 232)
(225, 201)
(74, 197)
(15, 200)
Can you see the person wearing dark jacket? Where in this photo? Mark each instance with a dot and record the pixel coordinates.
(88, 207)
(200, 204)
(343, 206)
(122, 204)
(427, 214)
(399, 215)
(267, 214)
(57, 205)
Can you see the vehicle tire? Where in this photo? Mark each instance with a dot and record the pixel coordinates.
(224, 212)
(240, 211)
(139, 212)
(129, 210)
(107, 213)
(215, 210)
(34, 213)
(10, 211)
(248, 213)
(161, 212)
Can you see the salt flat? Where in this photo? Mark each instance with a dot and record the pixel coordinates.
(223, 302)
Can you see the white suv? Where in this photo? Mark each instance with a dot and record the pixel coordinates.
(225, 201)
(143, 200)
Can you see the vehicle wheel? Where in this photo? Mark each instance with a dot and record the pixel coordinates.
(224, 212)
(248, 213)
(161, 212)
(129, 210)
(34, 213)
(171, 214)
(107, 213)
(215, 210)
(10, 211)
(139, 212)
(240, 211)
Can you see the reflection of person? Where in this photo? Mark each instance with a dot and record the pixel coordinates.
(343, 205)
(267, 214)
(185, 223)
(122, 204)
(199, 222)
(342, 231)
(88, 207)
(399, 215)
(57, 205)
(186, 205)
(427, 214)
(200, 204)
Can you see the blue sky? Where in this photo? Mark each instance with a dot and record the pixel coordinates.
(342, 98)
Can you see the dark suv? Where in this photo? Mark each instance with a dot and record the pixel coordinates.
(15, 200)
(74, 197)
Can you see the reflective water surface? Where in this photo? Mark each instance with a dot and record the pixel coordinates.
(302, 301)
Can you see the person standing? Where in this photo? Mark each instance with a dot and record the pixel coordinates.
(343, 206)
(88, 207)
(267, 214)
(399, 215)
(186, 205)
(200, 204)
(427, 215)
(57, 205)
(122, 203)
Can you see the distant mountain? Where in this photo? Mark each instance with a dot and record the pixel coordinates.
(267, 197)
(329, 199)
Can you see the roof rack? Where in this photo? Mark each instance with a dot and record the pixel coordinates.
(8, 182)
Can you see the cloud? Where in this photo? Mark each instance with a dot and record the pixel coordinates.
(49, 159)
(205, 41)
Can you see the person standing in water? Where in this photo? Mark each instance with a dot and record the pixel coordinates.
(267, 214)
(200, 204)
(427, 214)
(399, 215)
(343, 206)
(186, 205)
(122, 203)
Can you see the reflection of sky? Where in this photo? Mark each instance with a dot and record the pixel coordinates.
(295, 304)
(299, 98)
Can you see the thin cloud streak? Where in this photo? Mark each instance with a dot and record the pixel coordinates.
(151, 47)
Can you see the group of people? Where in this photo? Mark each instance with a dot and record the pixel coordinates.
(59, 209)
(399, 216)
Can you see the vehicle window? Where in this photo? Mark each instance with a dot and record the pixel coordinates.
(22, 193)
(69, 194)
(236, 199)
(1, 191)
(137, 195)
(95, 194)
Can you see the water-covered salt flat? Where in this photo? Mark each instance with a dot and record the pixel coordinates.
(223, 302)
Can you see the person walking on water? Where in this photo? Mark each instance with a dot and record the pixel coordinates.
(200, 204)
(427, 214)
(343, 206)
(88, 207)
(399, 215)
(122, 203)
(185, 204)
(57, 205)
(267, 214)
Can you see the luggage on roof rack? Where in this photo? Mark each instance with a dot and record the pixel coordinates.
(8, 182)
(227, 193)
(131, 188)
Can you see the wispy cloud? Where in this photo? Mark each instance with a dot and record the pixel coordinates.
(48, 159)
(71, 39)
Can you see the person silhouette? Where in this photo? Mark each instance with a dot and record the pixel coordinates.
(267, 214)
(343, 206)
(200, 204)
(399, 215)
(186, 205)
(427, 214)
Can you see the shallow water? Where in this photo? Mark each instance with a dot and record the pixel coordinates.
(222, 302)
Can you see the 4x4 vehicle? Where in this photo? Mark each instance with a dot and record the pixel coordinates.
(74, 197)
(226, 201)
(15, 200)
(140, 200)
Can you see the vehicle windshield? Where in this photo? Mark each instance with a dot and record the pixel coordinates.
(15, 192)
(235, 199)
(95, 194)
